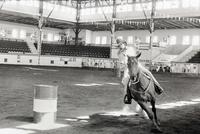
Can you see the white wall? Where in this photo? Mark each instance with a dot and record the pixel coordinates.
(142, 34)
(61, 61)
(88, 38)
(9, 26)
(18, 59)
(85, 35)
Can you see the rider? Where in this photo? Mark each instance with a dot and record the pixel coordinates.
(123, 53)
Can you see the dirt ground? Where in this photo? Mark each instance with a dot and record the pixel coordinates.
(105, 95)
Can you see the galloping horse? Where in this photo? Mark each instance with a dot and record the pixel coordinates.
(141, 88)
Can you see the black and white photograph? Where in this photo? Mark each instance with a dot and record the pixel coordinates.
(99, 66)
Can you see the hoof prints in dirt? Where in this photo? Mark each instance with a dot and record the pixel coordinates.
(109, 120)
(117, 124)
(20, 118)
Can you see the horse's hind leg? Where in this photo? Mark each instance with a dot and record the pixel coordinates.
(155, 115)
(154, 111)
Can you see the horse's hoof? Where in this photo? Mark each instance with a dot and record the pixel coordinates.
(156, 130)
(158, 123)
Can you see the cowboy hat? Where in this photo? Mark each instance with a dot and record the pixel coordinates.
(132, 52)
(120, 41)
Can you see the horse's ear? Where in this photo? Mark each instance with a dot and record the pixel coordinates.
(128, 59)
(138, 55)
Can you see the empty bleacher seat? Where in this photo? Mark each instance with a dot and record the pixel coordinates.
(195, 58)
(75, 50)
(7, 46)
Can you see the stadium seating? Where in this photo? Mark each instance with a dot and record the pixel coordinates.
(175, 49)
(75, 50)
(195, 58)
(13, 46)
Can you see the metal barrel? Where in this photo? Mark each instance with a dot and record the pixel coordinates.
(45, 103)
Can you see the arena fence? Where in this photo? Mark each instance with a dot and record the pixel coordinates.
(61, 61)
(187, 68)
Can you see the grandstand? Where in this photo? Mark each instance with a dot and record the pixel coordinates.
(195, 58)
(9, 46)
(40, 29)
(75, 50)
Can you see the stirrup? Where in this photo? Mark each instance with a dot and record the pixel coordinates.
(127, 100)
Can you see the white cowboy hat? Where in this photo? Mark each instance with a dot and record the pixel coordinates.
(132, 52)
(120, 41)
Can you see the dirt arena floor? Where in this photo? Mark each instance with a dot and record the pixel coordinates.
(84, 94)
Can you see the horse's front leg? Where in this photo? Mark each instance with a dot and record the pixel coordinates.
(144, 106)
(149, 113)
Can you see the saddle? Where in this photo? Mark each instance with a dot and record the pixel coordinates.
(143, 83)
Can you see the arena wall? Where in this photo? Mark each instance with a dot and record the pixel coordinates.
(162, 35)
(90, 36)
(9, 26)
(187, 68)
(61, 61)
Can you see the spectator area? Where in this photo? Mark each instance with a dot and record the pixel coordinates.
(75, 50)
(175, 49)
(9, 46)
(195, 58)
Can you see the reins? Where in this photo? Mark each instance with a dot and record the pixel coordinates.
(131, 82)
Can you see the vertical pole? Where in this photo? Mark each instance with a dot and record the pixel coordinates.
(77, 30)
(113, 27)
(70, 2)
(40, 23)
(151, 30)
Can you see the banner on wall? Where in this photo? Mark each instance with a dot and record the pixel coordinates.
(69, 59)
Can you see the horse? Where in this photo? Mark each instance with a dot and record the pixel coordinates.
(141, 88)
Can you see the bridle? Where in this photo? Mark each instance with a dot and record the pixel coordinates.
(137, 81)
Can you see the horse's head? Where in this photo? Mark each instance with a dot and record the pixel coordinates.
(133, 65)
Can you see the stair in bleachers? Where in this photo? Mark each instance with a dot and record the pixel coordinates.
(32, 47)
(175, 49)
(75, 50)
(11, 46)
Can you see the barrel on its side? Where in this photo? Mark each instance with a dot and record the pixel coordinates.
(45, 103)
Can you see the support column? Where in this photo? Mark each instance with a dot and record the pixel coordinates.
(113, 23)
(70, 2)
(40, 24)
(151, 30)
(77, 29)
(112, 50)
